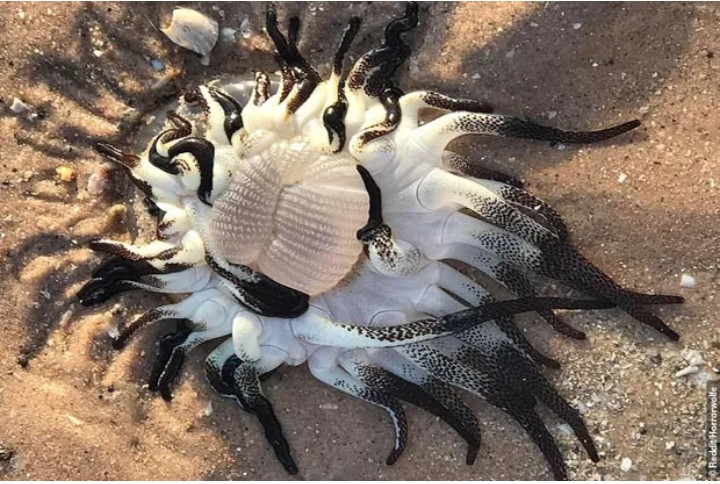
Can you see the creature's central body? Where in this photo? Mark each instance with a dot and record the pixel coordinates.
(292, 213)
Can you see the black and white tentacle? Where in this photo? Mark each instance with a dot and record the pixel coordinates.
(311, 220)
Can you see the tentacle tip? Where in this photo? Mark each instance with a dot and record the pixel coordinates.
(472, 454)
(104, 148)
(550, 363)
(165, 393)
(90, 301)
(291, 467)
(87, 295)
(578, 335)
(393, 457)
(411, 10)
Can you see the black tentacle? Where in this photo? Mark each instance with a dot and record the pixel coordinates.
(262, 294)
(241, 378)
(334, 115)
(375, 218)
(305, 76)
(374, 71)
(232, 109)
(169, 360)
(385, 381)
(519, 128)
(204, 153)
(563, 262)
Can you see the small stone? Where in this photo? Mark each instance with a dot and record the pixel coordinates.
(208, 409)
(245, 29)
(157, 64)
(18, 107)
(622, 177)
(552, 114)
(65, 173)
(687, 281)
(669, 445)
(21, 15)
(475, 76)
(100, 182)
(65, 319)
(328, 406)
(98, 53)
(644, 110)
(510, 54)
(625, 464)
(116, 214)
(228, 34)
(73, 420)
(113, 332)
(577, 26)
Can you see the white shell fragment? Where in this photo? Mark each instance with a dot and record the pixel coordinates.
(689, 370)
(688, 281)
(693, 357)
(194, 31)
(626, 464)
(18, 107)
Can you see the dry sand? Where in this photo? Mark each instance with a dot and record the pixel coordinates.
(79, 410)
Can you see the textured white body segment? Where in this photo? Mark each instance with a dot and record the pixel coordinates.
(292, 213)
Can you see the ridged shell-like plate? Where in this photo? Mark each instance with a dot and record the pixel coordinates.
(292, 213)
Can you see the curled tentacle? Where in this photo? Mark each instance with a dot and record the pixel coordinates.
(242, 381)
(374, 71)
(333, 117)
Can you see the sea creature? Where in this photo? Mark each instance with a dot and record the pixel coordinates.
(310, 220)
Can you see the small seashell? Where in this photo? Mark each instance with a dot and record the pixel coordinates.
(194, 31)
